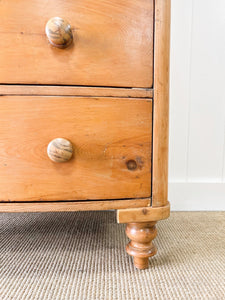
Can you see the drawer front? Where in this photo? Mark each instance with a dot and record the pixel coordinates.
(112, 42)
(105, 154)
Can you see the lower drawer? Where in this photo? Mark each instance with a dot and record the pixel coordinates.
(111, 148)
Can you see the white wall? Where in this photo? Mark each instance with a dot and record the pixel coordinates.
(197, 105)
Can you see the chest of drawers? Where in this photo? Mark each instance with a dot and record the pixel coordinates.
(84, 111)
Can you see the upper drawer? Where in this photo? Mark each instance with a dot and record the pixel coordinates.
(112, 43)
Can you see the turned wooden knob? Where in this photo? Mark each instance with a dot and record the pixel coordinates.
(59, 32)
(60, 150)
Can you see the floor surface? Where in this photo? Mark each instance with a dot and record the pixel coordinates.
(81, 255)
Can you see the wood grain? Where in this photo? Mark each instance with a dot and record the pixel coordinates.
(161, 103)
(106, 134)
(113, 43)
(144, 214)
(71, 206)
(46, 90)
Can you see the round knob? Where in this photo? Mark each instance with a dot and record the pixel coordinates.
(60, 150)
(59, 32)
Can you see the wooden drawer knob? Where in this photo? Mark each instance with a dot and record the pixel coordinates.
(60, 150)
(59, 32)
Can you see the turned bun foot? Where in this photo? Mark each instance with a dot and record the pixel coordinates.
(141, 246)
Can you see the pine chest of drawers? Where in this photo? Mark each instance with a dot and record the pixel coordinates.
(84, 111)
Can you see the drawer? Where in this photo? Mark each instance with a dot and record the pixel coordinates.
(112, 42)
(109, 140)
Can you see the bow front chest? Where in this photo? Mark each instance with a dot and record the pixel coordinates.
(84, 111)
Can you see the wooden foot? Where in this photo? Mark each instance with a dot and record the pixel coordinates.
(141, 246)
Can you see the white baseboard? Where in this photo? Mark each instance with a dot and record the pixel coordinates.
(197, 196)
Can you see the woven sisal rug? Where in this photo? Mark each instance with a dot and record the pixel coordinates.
(81, 255)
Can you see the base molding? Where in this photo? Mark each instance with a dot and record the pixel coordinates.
(143, 214)
(71, 205)
(197, 196)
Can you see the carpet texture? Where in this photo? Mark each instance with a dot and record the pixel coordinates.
(81, 256)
